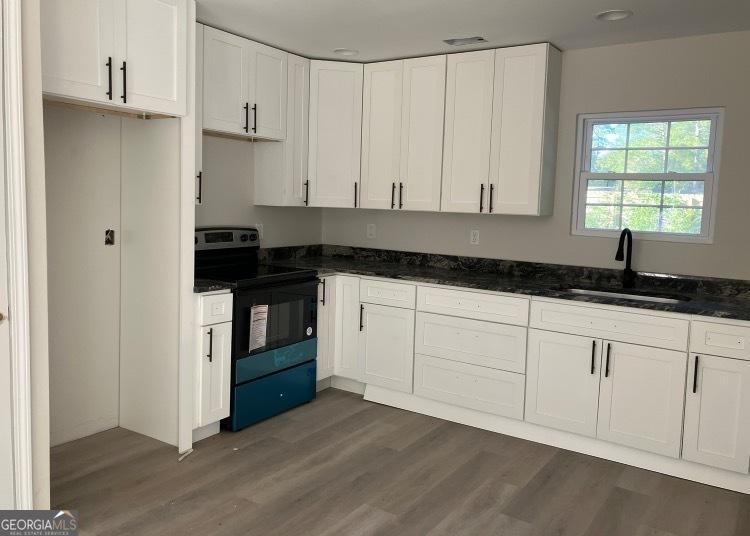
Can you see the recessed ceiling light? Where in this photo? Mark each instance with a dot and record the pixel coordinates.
(614, 15)
(465, 41)
(346, 51)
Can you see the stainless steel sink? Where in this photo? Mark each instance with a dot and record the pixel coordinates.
(628, 296)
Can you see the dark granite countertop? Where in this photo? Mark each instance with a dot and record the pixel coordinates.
(699, 303)
(210, 285)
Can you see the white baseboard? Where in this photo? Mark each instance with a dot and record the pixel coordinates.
(539, 434)
(347, 384)
(323, 384)
(205, 431)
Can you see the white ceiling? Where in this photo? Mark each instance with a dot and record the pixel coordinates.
(386, 29)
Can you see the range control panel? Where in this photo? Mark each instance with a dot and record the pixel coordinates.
(224, 238)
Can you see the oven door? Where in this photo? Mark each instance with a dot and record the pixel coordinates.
(273, 317)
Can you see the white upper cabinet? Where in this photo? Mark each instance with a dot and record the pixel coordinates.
(381, 133)
(524, 130)
(268, 98)
(78, 47)
(130, 53)
(225, 82)
(281, 168)
(717, 413)
(468, 126)
(199, 31)
(422, 113)
(151, 47)
(562, 381)
(244, 86)
(335, 133)
(402, 138)
(642, 396)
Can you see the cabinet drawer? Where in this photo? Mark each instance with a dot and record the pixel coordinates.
(644, 329)
(470, 386)
(215, 308)
(387, 293)
(720, 339)
(471, 341)
(493, 308)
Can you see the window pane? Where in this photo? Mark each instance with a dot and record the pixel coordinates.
(690, 133)
(602, 217)
(642, 193)
(605, 161)
(688, 160)
(684, 193)
(641, 218)
(609, 135)
(682, 220)
(603, 192)
(644, 161)
(648, 135)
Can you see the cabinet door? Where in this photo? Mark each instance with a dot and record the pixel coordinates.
(225, 80)
(517, 129)
(214, 373)
(422, 117)
(468, 120)
(642, 397)
(386, 346)
(281, 168)
(151, 37)
(199, 114)
(77, 43)
(326, 320)
(269, 92)
(562, 381)
(346, 339)
(381, 134)
(335, 133)
(717, 413)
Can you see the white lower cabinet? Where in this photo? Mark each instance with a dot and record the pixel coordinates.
(717, 413)
(492, 391)
(345, 299)
(562, 381)
(214, 373)
(325, 328)
(386, 346)
(641, 398)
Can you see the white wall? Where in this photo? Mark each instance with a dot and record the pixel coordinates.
(700, 71)
(228, 197)
(37, 247)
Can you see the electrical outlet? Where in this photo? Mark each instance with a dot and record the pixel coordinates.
(259, 226)
(474, 237)
(371, 230)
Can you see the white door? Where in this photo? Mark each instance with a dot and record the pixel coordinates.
(326, 319)
(199, 28)
(78, 49)
(386, 346)
(7, 483)
(225, 82)
(562, 381)
(150, 41)
(346, 328)
(381, 134)
(335, 133)
(268, 118)
(717, 413)
(517, 129)
(82, 158)
(468, 122)
(423, 112)
(215, 372)
(642, 397)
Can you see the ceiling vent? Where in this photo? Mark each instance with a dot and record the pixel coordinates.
(465, 41)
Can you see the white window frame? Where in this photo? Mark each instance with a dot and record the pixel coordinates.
(586, 123)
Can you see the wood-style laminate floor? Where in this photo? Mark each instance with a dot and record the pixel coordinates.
(341, 465)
